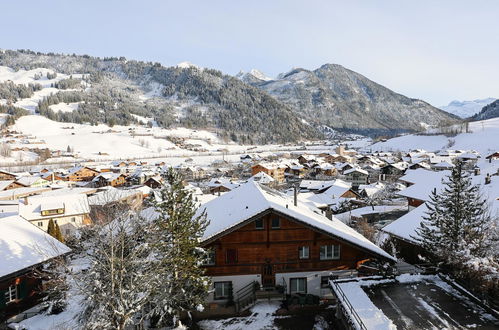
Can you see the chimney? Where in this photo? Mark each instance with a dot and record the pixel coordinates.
(25, 200)
(329, 214)
(477, 171)
(488, 179)
(295, 196)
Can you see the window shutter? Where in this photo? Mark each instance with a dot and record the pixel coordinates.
(2, 299)
(23, 289)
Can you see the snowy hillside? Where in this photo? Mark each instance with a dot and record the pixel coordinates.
(483, 137)
(466, 109)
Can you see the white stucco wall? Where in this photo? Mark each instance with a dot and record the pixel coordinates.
(238, 282)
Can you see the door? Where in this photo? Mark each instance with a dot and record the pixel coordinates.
(268, 278)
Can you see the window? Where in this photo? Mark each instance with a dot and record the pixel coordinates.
(298, 285)
(68, 231)
(11, 294)
(303, 252)
(324, 282)
(330, 252)
(276, 223)
(73, 219)
(210, 259)
(231, 256)
(222, 289)
(40, 224)
(259, 224)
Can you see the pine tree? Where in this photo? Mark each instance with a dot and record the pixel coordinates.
(51, 228)
(455, 218)
(178, 230)
(58, 234)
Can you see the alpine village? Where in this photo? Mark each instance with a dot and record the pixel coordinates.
(142, 195)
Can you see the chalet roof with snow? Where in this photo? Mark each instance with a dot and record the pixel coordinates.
(250, 200)
(355, 169)
(23, 245)
(75, 204)
(425, 182)
(262, 177)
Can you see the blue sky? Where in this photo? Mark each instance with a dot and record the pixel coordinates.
(434, 50)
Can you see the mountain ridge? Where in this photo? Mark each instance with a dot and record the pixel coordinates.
(289, 108)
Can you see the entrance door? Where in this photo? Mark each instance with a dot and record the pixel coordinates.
(268, 278)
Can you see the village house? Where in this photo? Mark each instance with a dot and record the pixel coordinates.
(24, 248)
(10, 184)
(32, 181)
(6, 176)
(109, 179)
(68, 211)
(259, 235)
(81, 173)
(356, 176)
(276, 171)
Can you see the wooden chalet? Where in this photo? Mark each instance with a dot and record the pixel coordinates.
(10, 184)
(81, 173)
(24, 248)
(6, 176)
(274, 170)
(109, 179)
(257, 234)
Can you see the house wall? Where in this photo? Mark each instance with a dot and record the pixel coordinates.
(313, 280)
(27, 292)
(238, 282)
(68, 224)
(277, 249)
(276, 173)
(84, 174)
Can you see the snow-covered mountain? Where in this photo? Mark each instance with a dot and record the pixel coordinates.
(466, 109)
(254, 76)
(343, 99)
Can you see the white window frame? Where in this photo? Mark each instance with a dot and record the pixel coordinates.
(12, 294)
(295, 287)
(303, 252)
(211, 258)
(225, 287)
(330, 252)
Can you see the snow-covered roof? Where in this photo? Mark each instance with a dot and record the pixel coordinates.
(251, 199)
(110, 194)
(262, 177)
(405, 226)
(425, 182)
(74, 204)
(356, 169)
(23, 245)
(108, 176)
(29, 180)
(5, 184)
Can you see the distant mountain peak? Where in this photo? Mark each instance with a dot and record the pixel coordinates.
(253, 76)
(465, 109)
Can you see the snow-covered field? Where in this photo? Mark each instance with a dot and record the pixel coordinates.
(484, 138)
(104, 143)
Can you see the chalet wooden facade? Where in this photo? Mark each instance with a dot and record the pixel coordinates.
(28, 248)
(83, 173)
(7, 176)
(273, 243)
(257, 234)
(274, 170)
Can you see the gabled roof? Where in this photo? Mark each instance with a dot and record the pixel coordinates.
(74, 204)
(356, 169)
(250, 200)
(23, 245)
